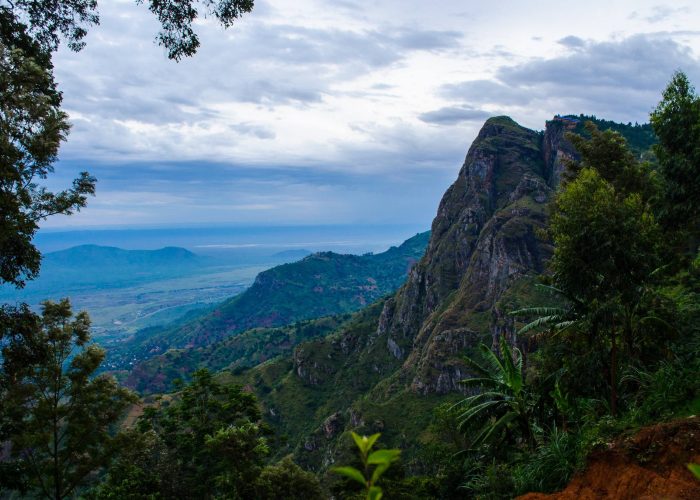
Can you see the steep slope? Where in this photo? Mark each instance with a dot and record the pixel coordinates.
(236, 352)
(388, 367)
(402, 356)
(319, 285)
(650, 464)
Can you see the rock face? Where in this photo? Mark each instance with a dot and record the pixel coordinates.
(403, 356)
(484, 242)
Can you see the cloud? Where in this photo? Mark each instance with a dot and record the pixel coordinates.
(618, 79)
(486, 92)
(661, 13)
(572, 42)
(452, 115)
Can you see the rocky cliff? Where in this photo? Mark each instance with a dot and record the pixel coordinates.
(484, 243)
(401, 357)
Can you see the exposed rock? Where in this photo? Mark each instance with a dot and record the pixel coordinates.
(394, 348)
(484, 240)
(333, 425)
(650, 464)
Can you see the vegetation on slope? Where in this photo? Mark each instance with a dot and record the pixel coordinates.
(319, 285)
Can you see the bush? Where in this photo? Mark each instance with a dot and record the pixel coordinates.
(552, 464)
(287, 480)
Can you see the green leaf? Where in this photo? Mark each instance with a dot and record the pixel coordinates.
(375, 493)
(364, 443)
(379, 471)
(384, 456)
(695, 469)
(350, 472)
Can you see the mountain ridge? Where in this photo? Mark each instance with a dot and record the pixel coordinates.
(403, 354)
(321, 284)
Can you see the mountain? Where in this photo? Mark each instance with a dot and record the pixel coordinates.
(236, 353)
(103, 266)
(321, 284)
(391, 364)
(96, 256)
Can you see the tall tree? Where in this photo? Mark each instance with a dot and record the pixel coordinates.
(32, 127)
(676, 121)
(61, 414)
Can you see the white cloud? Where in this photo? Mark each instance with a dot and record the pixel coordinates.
(385, 90)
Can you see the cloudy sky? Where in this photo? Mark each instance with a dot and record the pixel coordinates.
(343, 111)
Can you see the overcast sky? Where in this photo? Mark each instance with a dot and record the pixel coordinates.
(343, 111)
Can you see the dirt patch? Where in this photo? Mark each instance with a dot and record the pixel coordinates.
(651, 464)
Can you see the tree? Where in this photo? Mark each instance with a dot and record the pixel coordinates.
(49, 21)
(287, 480)
(32, 126)
(676, 122)
(503, 399)
(60, 414)
(206, 442)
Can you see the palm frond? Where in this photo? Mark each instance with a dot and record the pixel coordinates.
(479, 382)
(476, 367)
(495, 367)
(474, 411)
(540, 322)
(490, 429)
(539, 311)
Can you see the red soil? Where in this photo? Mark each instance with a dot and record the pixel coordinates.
(649, 465)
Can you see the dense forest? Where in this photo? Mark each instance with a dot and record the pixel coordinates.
(553, 319)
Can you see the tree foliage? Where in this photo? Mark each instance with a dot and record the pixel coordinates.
(676, 121)
(50, 21)
(206, 442)
(32, 127)
(60, 414)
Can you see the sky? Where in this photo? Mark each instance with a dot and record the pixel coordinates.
(342, 111)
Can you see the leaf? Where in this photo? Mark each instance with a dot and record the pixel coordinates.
(695, 469)
(364, 443)
(375, 493)
(490, 428)
(350, 472)
(379, 471)
(383, 457)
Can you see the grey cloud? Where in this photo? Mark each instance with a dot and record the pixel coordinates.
(261, 63)
(416, 39)
(662, 12)
(486, 92)
(254, 130)
(619, 79)
(452, 115)
(639, 62)
(572, 41)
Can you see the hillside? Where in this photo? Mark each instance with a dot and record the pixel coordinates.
(236, 353)
(321, 284)
(403, 356)
(650, 464)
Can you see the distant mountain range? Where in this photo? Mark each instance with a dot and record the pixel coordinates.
(113, 259)
(321, 284)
